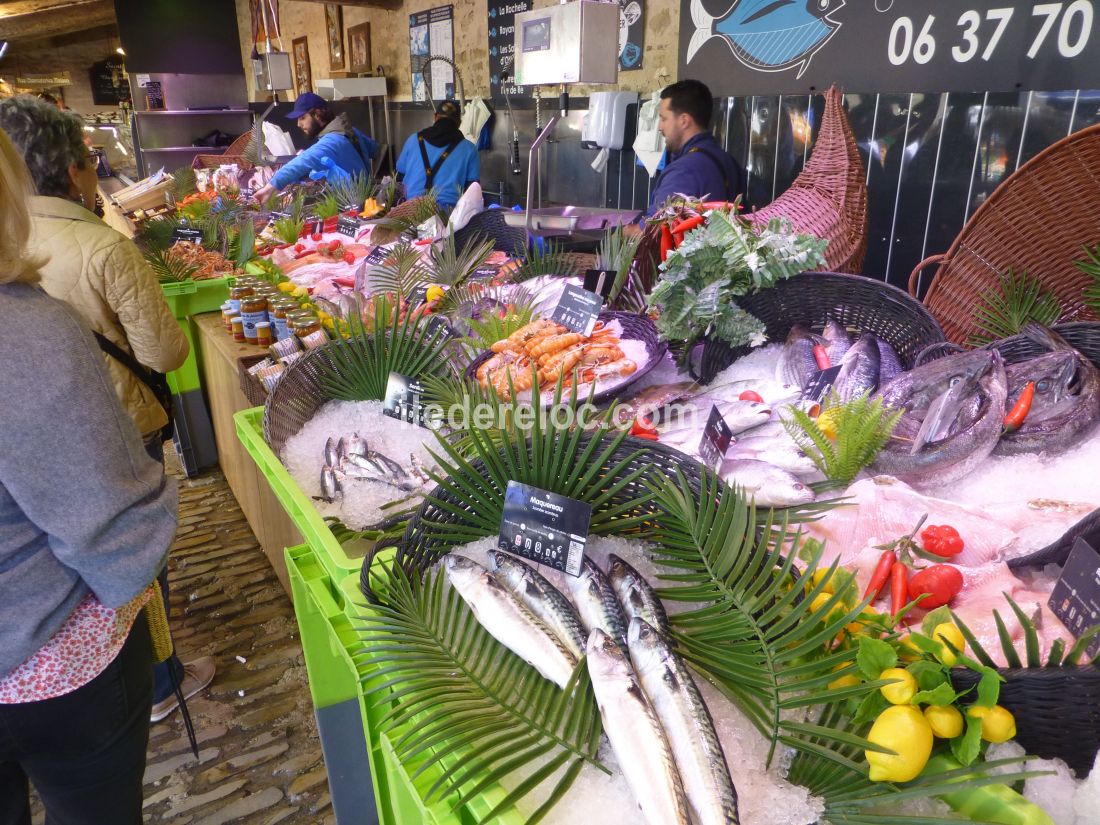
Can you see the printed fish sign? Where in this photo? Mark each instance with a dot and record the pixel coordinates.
(768, 35)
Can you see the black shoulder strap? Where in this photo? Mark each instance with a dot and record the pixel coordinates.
(350, 135)
(155, 381)
(731, 189)
(431, 170)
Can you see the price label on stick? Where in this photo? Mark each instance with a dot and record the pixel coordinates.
(578, 310)
(544, 527)
(185, 233)
(404, 400)
(1076, 595)
(347, 226)
(820, 383)
(600, 281)
(717, 437)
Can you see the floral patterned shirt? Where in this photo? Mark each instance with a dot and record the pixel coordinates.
(79, 651)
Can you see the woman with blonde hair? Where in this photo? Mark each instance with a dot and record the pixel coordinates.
(86, 521)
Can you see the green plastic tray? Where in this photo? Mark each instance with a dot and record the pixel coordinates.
(338, 560)
(185, 299)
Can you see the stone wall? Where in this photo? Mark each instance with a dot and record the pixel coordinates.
(74, 55)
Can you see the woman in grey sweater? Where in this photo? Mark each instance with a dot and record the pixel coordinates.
(86, 521)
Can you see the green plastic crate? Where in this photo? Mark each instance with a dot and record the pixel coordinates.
(339, 560)
(185, 299)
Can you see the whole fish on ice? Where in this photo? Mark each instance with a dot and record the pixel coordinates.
(781, 452)
(596, 603)
(636, 595)
(768, 485)
(768, 35)
(859, 369)
(540, 597)
(796, 362)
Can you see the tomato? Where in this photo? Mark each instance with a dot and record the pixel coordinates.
(349, 257)
(941, 582)
(749, 395)
(942, 540)
(315, 237)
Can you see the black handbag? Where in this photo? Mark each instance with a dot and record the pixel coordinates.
(157, 382)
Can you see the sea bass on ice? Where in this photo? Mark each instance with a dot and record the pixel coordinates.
(508, 621)
(635, 734)
(768, 485)
(683, 714)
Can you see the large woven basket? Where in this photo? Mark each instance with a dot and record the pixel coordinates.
(811, 298)
(1036, 221)
(296, 398)
(1057, 710)
(490, 225)
(828, 199)
(634, 326)
(233, 153)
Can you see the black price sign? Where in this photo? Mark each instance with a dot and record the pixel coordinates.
(1076, 595)
(820, 383)
(349, 226)
(377, 256)
(183, 233)
(437, 323)
(418, 296)
(544, 527)
(578, 310)
(600, 281)
(404, 400)
(717, 437)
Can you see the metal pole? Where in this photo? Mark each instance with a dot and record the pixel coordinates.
(533, 168)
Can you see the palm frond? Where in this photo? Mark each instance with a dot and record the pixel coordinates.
(287, 230)
(1018, 300)
(450, 267)
(360, 363)
(327, 207)
(183, 184)
(168, 268)
(254, 151)
(466, 708)
(488, 315)
(400, 274)
(1091, 267)
(155, 235)
(351, 191)
(548, 259)
(617, 253)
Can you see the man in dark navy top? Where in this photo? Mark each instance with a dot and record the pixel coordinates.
(696, 165)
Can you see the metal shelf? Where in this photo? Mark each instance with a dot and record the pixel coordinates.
(197, 149)
(185, 112)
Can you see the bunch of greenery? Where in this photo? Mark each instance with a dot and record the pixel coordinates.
(1017, 300)
(168, 268)
(327, 207)
(1091, 267)
(544, 259)
(722, 260)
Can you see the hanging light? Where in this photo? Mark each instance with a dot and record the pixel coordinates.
(3, 48)
(120, 51)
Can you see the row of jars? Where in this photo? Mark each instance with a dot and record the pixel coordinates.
(258, 313)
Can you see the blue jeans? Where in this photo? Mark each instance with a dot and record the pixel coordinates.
(162, 673)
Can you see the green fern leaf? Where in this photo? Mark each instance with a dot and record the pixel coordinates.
(1018, 300)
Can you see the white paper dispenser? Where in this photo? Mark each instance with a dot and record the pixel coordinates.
(605, 124)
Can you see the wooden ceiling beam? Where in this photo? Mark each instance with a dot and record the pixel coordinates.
(36, 19)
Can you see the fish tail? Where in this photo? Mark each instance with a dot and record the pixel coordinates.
(704, 28)
(1045, 337)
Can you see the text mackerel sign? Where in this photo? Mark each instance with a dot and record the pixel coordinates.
(764, 47)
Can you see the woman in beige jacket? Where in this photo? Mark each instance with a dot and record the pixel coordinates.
(90, 266)
(104, 277)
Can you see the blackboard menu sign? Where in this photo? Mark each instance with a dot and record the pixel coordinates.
(109, 86)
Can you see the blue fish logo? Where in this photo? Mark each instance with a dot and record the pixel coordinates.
(768, 35)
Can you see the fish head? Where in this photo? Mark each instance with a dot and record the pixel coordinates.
(1052, 372)
(605, 657)
(342, 448)
(461, 570)
(916, 389)
(357, 446)
(641, 633)
(823, 8)
(618, 571)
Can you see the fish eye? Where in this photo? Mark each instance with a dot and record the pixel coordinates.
(955, 379)
(1042, 386)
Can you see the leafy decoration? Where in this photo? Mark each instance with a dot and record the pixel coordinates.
(546, 259)
(155, 235)
(288, 230)
(617, 253)
(327, 207)
(846, 437)
(1017, 300)
(400, 273)
(470, 709)
(351, 191)
(488, 314)
(450, 267)
(169, 268)
(1091, 267)
(183, 184)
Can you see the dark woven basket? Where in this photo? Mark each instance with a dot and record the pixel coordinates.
(490, 225)
(1057, 710)
(418, 549)
(252, 389)
(813, 297)
(635, 326)
(296, 398)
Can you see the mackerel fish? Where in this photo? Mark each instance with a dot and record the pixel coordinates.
(596, 603)
(636, 595)
(541, 598)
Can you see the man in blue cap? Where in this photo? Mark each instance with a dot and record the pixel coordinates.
(338, 142)
(439, 158)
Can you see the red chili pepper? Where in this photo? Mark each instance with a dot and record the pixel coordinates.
(305, 253)
(666, 241)
(899, 587)
(642, 426)
(942, 540)
(749, 395)
(687, 225)
(939, 584)
(821, 356)
(646, 436)
(677, 239)
(1020, 409)
(880, 575)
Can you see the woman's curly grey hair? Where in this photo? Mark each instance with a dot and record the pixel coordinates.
(49, 140)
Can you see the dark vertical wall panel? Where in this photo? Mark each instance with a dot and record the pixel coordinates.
(171, 36)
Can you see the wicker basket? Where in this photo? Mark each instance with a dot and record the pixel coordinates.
(296, 398)
(490, 225)
(233, 153)
(813, 297)
(1036, 221)
(252, 389)
(634, 326)
(828, 199)
(1057, 710)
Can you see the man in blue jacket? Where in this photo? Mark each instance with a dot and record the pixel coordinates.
(338, 143)
(696, 164)
(439, 158)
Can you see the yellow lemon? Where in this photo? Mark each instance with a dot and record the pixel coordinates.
(819, 602)
(299, 292)
(945, 720)
(866, 618)
(434, 293)
(827, 422)
(286, 286)
(903, 688)
(998, 723)
(950, 632)
(907, 651)
(847, 680)
(905, 731)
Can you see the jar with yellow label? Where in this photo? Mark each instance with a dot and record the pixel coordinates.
(280, 310)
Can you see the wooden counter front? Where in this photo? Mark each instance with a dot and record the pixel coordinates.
(218, 355)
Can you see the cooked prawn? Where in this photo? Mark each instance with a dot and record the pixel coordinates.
(554, 343)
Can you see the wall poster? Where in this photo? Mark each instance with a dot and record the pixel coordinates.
(431, 33)
(502, 43)
(765, 47)
(631, 34)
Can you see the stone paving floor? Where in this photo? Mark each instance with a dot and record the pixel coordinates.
(260, 760)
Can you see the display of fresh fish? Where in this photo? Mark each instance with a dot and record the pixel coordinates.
(696, 751)
(636, 595)
(768, 485)
(635, 735)
(796, 362)
(357, 446)
(508, 621)
(332, 456)
(859, 369)
(780, 451)
(1066, 406)
(973, 414)
(889, 365)
(652, 399)
(837, 340)
(596, 603)
(540, 597)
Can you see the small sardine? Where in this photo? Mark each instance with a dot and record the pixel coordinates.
(357, 446)
(635, 594)
(332, 456)
(768, 485)
(683, 714)
(330, 487)
(540, 597)
(508, 621)
(596, 603)
(635, 734)
(342, 449)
